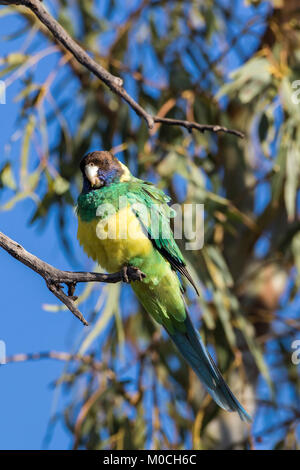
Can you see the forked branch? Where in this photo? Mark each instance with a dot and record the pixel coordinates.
(55, 277)
(114, 83)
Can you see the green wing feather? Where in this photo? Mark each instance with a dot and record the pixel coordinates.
(157, 224)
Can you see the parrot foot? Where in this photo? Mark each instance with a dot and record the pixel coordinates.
(130, 273)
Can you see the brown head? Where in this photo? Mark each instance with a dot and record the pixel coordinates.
(101, 169)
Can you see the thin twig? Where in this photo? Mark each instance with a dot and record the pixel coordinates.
(200, 127)
(55, 277)
(114, 83)
(88, 360)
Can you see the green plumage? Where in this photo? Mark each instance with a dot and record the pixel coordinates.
(137, 192)
(149, 204)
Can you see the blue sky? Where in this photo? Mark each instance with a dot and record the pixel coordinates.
(26, 398)
(26, 395)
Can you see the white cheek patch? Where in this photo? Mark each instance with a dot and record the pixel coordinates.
(91, 172)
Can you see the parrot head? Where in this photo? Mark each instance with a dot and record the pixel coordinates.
(101, 169)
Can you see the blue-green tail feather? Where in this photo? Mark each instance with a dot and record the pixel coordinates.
(193, 350)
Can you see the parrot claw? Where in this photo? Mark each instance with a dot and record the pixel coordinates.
(130, 273)
(125, 274)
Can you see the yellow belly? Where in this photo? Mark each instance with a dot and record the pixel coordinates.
(114, 241)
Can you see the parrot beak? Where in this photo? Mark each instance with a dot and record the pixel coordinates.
(91, 172)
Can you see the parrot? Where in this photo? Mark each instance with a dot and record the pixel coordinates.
(124, 222)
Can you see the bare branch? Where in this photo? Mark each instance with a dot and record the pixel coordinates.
(88, 360)
(114, 83)
(200, 127)
(55, 277)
